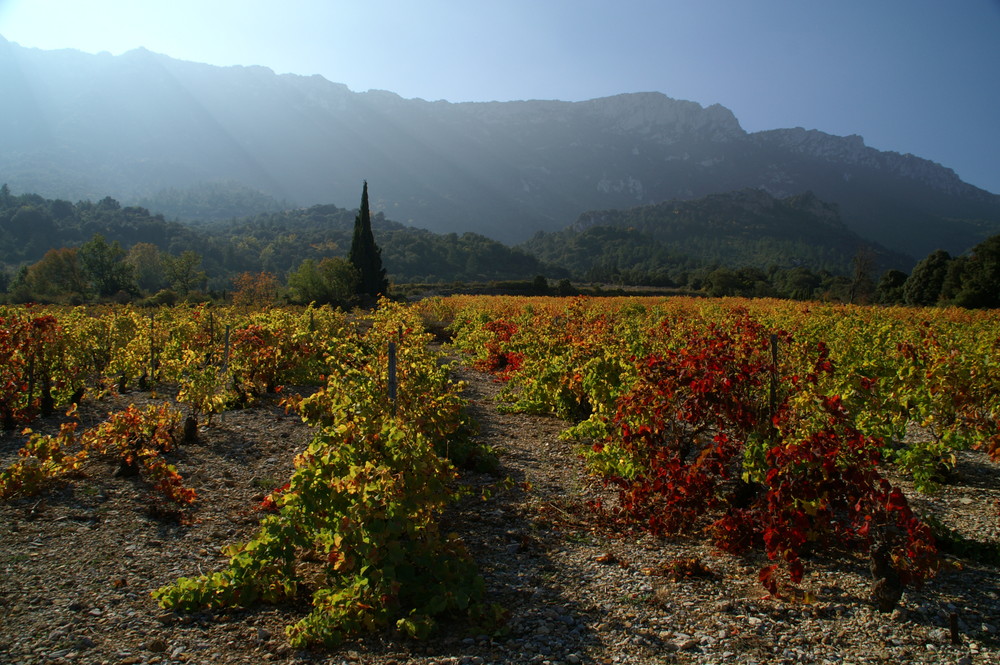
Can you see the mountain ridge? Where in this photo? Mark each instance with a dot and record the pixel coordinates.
(131, 125)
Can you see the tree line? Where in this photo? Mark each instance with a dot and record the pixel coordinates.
(57, 251)
(103, 270)
(971, 281)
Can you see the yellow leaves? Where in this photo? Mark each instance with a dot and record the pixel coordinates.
(813, 508)
(342, 563)
(802, 596)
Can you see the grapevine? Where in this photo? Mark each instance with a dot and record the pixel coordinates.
(697, 418)
(361, 507)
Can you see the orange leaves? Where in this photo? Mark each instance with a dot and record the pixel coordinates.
(255, 289)
(136, 438)
(685, 568)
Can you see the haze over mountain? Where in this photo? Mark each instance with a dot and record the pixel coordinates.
(87, 126)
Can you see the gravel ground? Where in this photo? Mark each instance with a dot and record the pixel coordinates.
(77, 564)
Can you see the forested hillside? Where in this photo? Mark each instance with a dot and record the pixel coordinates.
(36, 230)
(745, 229)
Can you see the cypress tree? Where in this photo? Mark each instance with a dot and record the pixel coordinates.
(366, 256)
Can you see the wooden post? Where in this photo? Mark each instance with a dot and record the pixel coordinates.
(152, 348)
(211, 338)
(225, 352)
(392, 377)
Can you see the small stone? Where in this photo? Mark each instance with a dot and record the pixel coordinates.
(573, 659)
(940, 635)
(156, 645)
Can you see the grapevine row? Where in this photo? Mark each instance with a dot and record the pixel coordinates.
(360, 512)
(216, 358)
(768, 423)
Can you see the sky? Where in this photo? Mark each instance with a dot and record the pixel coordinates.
(913, 76)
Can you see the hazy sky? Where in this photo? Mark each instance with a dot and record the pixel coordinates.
(917, 76)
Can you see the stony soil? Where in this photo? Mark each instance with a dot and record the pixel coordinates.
(77, 564)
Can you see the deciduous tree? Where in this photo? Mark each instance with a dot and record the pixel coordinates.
(923, 287)
(104, 265)
(332, 281)
(145, 259)
(57, 276)
(184, 271)
(890, 288)
(255, 289)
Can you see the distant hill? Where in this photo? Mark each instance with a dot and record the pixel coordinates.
(211, 202)
(80, 126)
(276, 242)
(748, 228)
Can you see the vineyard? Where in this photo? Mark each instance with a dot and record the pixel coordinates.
(325, 479)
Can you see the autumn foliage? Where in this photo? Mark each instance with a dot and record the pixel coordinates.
(742, 422)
